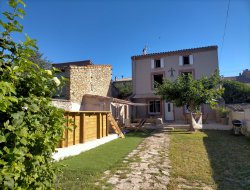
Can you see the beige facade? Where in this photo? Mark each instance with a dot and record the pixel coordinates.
(148, 68)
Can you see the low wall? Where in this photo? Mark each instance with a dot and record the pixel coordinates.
(247, 118)
(66, 104)
(242, 116)
(84, 126)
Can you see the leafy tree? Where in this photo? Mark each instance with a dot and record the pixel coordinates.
(187, 91)
(30, 126)
(236, 92)
(125, 90)
(37, 58)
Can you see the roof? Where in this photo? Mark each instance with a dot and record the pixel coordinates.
(230, 78)
(114, 100)
(149, 95)
(123, 80)
(177, 52)
(74, 63)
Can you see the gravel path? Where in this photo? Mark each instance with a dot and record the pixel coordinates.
(148, 165)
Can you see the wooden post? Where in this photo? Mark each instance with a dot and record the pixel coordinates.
(107, 125)
(66, 131)
(81, 127)
(99, 126)
(74, 130)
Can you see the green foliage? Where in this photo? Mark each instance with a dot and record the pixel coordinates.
(187, 91)
(30, 126)
(39, 60)
(223, 112)
(125, 90)
(236, 92)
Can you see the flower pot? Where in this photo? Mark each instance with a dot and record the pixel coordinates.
(224, 120)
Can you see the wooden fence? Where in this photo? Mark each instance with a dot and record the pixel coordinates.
(84, 126)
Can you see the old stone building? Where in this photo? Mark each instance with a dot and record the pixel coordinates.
(89, 89)
(84, 78)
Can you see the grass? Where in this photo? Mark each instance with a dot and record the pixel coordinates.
(81, 172)
(214, 159)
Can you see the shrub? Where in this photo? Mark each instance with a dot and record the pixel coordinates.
(30, 126)
(236, 92)
(223, 112)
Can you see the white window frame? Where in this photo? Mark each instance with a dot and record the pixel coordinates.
(181, 60)
(153, 63)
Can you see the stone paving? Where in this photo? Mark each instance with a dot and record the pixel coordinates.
(148, 165)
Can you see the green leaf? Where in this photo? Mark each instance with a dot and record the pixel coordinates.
(2, 139)
(9, 183)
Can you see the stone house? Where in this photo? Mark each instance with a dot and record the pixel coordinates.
(89, 89)
(243, 77)
(150, 68)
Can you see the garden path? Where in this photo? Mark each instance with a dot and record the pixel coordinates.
(147, 166)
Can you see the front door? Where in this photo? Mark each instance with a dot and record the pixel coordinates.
(169, 111)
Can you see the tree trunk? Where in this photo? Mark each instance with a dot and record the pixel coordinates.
(191, 128)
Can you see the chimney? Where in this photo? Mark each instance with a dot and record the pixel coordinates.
(144, 50)
(115, 78)
(122, 76)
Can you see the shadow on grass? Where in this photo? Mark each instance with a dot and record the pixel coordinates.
(82, 171)
(229, 157)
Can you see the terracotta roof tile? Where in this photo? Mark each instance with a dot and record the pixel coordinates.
(177, 52)
(74, 63)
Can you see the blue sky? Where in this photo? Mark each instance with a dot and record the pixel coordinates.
(111, 31)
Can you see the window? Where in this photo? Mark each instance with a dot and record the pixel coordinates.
(157, 63)
(186, 60)
(157, 79)
(186, 109)
(187, 73)
(154, 106)
(169, 107)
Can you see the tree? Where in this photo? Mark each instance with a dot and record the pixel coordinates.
(37, 58)
(125, 90)
(193, 93)
(30, 126)
(236, 92)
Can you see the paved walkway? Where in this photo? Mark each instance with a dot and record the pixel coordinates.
(148, 166)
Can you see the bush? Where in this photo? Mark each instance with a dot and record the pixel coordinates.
(30, 126)
(223, 112)
(236, 92)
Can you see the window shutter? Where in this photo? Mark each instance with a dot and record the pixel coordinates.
(152, 64)
(162, 63)
(191, 59)
(180, 60)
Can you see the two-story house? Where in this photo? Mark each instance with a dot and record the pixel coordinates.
(154, 67)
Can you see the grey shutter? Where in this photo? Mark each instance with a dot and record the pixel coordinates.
(162, 62)
(152, 64)
(191, 59)
(180, 60)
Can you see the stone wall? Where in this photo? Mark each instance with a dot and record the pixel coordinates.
(63, 104)
(92, 79)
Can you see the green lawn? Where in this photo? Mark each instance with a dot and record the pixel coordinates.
(214, 159)
(80, 172)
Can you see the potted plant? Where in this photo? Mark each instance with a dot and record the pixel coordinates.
(223, 112)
